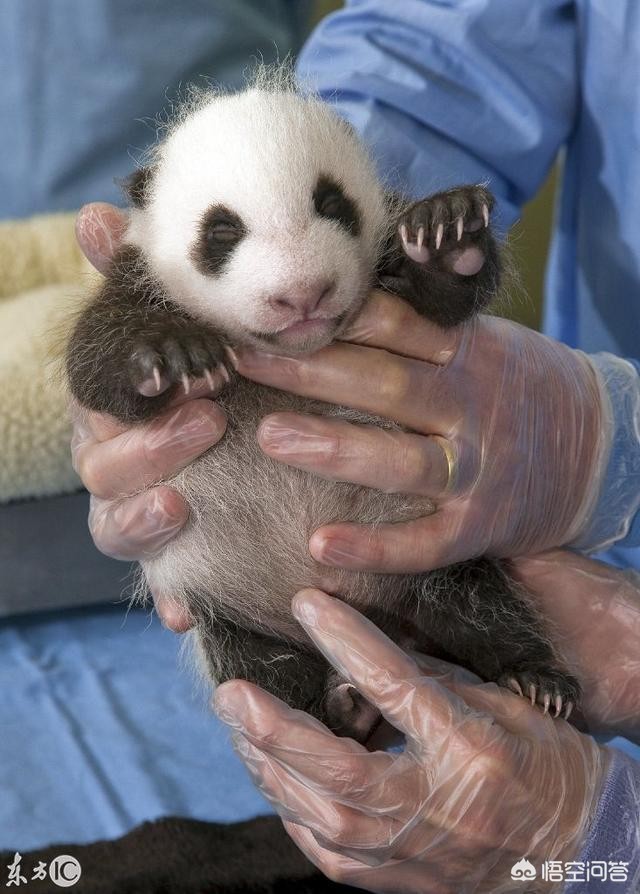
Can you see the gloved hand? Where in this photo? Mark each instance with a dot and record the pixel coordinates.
(484, 780)
(116, 462)
(593, 614)
(520, 417)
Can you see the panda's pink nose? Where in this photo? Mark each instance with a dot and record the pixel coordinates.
(305, 299)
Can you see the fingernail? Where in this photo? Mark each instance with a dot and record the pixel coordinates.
(334, 552)
(159, 524)
(241, 356)
(172, 615)
(282, 440)
(189, 430)
(226, 713)
(100, 229)
(304, 611)
(151, 522)
(247, 360)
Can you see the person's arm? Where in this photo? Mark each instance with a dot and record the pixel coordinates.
(615, 517)
(445, 93)
(593, 614)
(448, 93)
(484, 779)
(614, 834)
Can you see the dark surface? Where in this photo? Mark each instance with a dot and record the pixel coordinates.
(48, 560)
(181, 856)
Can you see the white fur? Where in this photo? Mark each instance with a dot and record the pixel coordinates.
(244, 552)
(260, 153)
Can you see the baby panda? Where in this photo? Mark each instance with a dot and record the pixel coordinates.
(260, 221)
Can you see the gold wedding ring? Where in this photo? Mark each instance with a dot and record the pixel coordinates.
(450, 453)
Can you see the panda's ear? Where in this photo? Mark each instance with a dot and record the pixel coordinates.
(136, 186)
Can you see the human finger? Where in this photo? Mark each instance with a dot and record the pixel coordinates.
(391, 461)
(363, 871)
(336, 867)
(387, 321)
(102, 426)
(100, 228)
(310, 773)
(513, 712)
(138, 527)
(596, 630)
(382, 672)
(334, 822)
(145, 454)
(310, 749)
(173, 615)
(368, 379)
(418, 545)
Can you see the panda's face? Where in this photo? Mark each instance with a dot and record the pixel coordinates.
(263, 216)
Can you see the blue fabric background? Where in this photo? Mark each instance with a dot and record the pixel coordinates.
(102, 726)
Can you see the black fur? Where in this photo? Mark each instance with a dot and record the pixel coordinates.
(220, 230)
(137, 186)
(472, 612)
(330, 201)
(143, 330)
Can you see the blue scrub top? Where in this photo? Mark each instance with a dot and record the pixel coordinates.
(79, 78)
(453, 91)
(444, 91)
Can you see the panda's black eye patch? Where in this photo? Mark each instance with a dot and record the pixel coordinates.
(330, 201)
(219, 232)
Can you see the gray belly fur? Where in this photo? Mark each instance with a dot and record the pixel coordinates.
(244, 551)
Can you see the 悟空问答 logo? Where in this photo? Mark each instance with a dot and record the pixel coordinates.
(523, 871)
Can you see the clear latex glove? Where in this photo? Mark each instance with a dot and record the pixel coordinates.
(484, 780)
(116, 462)
(523, 416)
(593, 613)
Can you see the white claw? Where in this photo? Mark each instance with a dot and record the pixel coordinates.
(420, 237)
(439, 235)
(558, 705)
(485, 215)
(568, 709)
(157, 379)
(459, 228)
(513, 683)
(547, 702)
(186, 384)
(224, 372)
(532, 693)
(404, 235)
(209, 377)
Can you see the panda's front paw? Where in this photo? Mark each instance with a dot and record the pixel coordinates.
(555, 690)
(176, 356)
(448, 231)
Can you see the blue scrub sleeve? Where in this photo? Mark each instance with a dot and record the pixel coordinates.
(438, 91)
(616, 515)
(83, 79)
(614, 838)
(446, 92)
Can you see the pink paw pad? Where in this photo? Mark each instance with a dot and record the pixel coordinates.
(467, 262)
(154, 385)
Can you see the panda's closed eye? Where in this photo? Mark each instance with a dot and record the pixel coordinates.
(330, 201)
(219, 231)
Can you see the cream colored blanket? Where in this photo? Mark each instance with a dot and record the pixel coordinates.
(43, 277)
